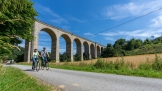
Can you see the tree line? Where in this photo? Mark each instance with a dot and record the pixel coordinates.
(121, 47)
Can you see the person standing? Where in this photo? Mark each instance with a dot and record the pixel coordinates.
(35, 58)
(44, 55)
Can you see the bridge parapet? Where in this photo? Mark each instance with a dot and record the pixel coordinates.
(69, 32)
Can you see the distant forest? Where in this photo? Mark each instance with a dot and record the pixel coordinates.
(123, 47)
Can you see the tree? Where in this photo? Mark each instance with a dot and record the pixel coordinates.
(147, 41)
(121, 42)
(64, 58)
(118, 50)
(77, 57)
(138, 43)
(16, 23)
(85, 56)
(157, 40)
(130, 44)
(108, 51)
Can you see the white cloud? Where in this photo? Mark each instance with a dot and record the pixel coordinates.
(157, 22)
(89, 34)
(109, 38)
(136, 8)
(108, 34)
(76, 19)
(142, 34)
(48, 12)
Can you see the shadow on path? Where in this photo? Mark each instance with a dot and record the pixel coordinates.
(28, 70)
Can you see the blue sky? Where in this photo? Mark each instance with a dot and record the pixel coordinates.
(87, 18)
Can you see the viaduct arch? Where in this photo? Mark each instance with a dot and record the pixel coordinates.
(92, 49)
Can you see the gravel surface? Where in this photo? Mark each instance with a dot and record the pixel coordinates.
(87, 81)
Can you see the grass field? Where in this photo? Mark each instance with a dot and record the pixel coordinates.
(134, 60)
(13, 79)
(141, 65)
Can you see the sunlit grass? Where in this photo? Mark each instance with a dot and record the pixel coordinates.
(148, 68)
(13, 79)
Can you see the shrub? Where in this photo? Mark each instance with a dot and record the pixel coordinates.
(53, 61)
(119, 64)
(157, 65)
(19, 58)
(68, 60)
(99, 64)
(77, 57)
(145, 66)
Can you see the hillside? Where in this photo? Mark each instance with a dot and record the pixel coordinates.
(146, 49)
(123, 47)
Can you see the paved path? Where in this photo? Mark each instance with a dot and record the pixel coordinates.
(87, 81)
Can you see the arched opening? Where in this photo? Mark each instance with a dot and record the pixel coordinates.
(77, 48)
(86, 51)
(65, 48)
(101, 49)
(92, 51)
(98, 52)
(47, 38)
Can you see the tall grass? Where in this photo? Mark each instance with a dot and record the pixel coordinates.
(118, 64)
(147, 69)
(157, 65)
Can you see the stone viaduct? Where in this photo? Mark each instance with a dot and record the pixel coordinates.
(92, 49)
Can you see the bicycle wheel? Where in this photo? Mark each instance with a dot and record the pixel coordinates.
(37, 66)
(42, 66)
(47, 65)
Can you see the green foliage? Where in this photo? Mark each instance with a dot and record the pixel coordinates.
(99, 64)
(85, 56)
(16, 23)
(147, 69)
(133, 46)
(145, 66)
(157, 65)
(108, 51)
(64, 58)
(17, 55)
(53, 61)
(19, 58)
(77, 57)
(146, 49)
(118, 64)
(147, 41)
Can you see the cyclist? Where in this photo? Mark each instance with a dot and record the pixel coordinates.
(35, 58)
(44, 55)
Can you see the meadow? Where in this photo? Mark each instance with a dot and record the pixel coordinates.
(149, 65)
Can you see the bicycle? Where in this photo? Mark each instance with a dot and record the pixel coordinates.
(46, 65)
(37, 66)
